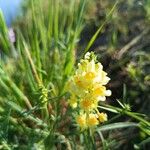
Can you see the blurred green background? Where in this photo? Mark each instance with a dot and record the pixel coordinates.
(57, 33)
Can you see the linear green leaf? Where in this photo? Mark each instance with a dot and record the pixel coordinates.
(117, 126)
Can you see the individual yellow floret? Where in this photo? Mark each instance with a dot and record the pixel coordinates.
(81, 120)
(99, 92)
(87, 104)
(102, 117)
(92, 120)
(89, 75)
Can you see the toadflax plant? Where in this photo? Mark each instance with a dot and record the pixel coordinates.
(36, 75)
(87, 88)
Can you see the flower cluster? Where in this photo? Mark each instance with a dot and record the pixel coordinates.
(87, 88)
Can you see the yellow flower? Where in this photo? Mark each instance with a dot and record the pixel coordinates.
(81, 120)
(102, 117)
(73, 101)
(87, 104)
(72, 88)
(99, 92)
(105, 79)
(80, 82)
(89, 75)
(92, 120)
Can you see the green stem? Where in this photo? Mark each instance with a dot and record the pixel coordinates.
(86, 140)
(123, 111)
(100, 28)
(91, 137)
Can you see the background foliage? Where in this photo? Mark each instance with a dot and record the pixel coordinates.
(51, 36)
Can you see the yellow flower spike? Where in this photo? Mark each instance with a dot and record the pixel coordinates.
(102, 117)
(87, 87)
(92, 120)
(81, 121)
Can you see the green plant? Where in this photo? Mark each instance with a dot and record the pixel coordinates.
(34, 111)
